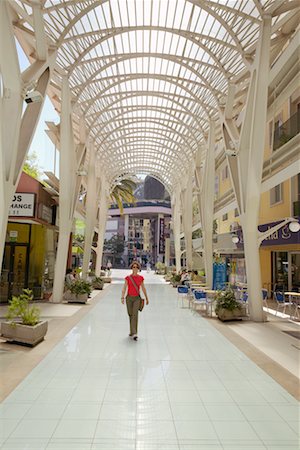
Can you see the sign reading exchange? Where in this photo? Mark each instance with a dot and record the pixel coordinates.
(22, 205)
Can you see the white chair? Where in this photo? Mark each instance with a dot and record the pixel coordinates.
(264, 297)
(281, 303)
(182, 294)
(199, 299)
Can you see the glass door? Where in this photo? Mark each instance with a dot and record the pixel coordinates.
(5, 274)
(14, 275)
(294, 271)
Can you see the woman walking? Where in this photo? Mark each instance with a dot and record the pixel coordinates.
(133, 284)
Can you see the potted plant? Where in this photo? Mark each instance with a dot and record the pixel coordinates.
(160, 268)
(175, 280)
(97, 283)
(79, 291)
(23, 323)
(227, 307)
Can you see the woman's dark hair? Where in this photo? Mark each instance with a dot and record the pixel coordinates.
(69, 270)
(135, 263)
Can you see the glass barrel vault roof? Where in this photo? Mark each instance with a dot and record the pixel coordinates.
(149, 75)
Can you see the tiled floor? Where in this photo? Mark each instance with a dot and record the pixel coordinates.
(182, 386)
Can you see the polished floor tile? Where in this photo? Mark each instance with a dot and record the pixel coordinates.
(182, 386)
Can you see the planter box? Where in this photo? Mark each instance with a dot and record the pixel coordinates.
(236, 314)
(24, 334)
(80, 298)
(106, 279)
(73, 298)
(98, 286)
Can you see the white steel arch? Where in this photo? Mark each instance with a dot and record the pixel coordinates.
(148, 78)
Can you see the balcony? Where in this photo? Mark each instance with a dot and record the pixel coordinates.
(287, 131)
(296, 208)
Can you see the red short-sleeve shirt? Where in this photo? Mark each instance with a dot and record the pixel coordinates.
(138, 279)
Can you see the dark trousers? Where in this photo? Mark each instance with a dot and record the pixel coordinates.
(133, 304)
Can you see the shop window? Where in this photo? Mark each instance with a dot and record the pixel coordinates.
(225, 217)
(276, 194)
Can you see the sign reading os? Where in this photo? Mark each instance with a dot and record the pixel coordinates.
(22, 205)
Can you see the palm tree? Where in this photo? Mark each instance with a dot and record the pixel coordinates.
(123, 192)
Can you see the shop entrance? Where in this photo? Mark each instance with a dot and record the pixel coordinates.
(294, 272)
(14, 275)
(286, 271)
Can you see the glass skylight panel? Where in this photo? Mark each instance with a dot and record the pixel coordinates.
(165, 105)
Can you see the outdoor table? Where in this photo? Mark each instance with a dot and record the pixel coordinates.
(210, 294)
(294, 299)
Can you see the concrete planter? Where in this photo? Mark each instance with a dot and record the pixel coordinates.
(24, 334)
(106, 279)
(236, 314)
(77, 298)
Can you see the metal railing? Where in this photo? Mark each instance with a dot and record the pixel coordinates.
(287, 131)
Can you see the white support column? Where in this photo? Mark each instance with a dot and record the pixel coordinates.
(176, 226)
(207, 204)
(68, 191)
(246, 166)
(91, 211)
(16, 130)
(252, 144)
(103, 209)
(187, 219)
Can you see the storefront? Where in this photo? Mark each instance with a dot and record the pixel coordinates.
(31, 241)
(280, 259)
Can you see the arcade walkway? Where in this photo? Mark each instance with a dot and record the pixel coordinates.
(182, 386)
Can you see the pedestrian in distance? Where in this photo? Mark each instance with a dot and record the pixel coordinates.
(131, 290)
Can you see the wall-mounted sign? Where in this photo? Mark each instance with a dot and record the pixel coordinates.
(22, 205)
(219, 275)
(13, 236)
(279, 237)
(161, 246)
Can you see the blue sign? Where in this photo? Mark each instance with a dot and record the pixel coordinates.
(219, 276)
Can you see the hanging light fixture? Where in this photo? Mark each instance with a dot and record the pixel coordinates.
(294, 226)
(235, 239)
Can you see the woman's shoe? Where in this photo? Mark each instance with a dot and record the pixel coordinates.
(135, 337)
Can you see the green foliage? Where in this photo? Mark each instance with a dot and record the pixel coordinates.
(80, 287)
(19, 309)
(98, 283)
(123, 192)
(197, 234)
(31, 166)
(78, 238)
(176, 278)
(160, 267)
(226, 300)
(115, 245)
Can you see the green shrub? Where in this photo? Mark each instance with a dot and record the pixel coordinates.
(98, 283)
(226, 300)
(19, 309)
(80, 287)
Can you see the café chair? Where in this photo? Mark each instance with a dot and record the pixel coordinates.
(182, 294)
(199, 299)
(281, 303)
